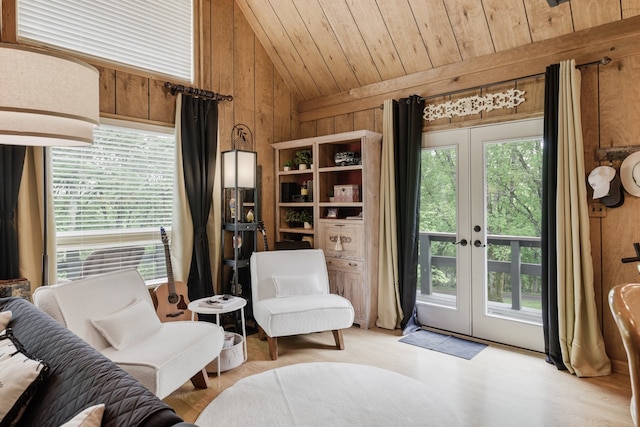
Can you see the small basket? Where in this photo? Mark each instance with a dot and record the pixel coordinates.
(231, 356)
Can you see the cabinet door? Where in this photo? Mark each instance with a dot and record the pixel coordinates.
(353, 285)
(346, 278)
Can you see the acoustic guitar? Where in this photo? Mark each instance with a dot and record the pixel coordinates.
(172, 296)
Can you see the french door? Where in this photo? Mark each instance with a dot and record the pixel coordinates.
(480, 218)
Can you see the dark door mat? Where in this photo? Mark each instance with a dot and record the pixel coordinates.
(444, 343)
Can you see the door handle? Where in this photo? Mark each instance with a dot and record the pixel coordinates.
(462, 242)
(478, 244)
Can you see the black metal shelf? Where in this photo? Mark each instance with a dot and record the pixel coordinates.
(239, 263)
(240, 226)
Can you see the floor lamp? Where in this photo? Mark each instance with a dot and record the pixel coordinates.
(238, 176)
(46, 100)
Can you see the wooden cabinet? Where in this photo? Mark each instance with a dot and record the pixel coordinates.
(342, 187)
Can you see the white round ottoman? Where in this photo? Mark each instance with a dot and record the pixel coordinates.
(328, 394)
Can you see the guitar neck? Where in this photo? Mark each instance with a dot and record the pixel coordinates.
(170, 281)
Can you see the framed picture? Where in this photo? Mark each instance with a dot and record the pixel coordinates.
(332, 212)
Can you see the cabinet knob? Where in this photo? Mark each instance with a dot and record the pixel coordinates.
(353, 264)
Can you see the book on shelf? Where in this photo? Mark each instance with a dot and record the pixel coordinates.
(218, 301)
(359, 216)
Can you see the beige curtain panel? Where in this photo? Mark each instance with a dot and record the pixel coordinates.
(389, 309)
(31, 219)
(181, 224)
(581, 342)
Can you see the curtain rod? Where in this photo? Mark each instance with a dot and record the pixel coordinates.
(197, 92)
(602, 61)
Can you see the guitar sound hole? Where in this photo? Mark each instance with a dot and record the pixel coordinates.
(173, 298)
(182, 305)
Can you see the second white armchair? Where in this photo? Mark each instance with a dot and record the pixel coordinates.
(290, 292)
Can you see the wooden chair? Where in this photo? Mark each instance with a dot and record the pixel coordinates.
(624, 301)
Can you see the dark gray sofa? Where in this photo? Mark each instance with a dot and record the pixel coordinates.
(79, 377)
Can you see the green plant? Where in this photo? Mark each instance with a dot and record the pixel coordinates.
(292, 217)
(288, 163)
(303, 157)
(306, 217)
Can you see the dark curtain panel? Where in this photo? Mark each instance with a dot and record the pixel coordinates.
(199, 124)
(11, 164)
(408, 139)
(548, 240)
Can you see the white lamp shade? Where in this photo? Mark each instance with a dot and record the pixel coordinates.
(46, 99)
(244, 162)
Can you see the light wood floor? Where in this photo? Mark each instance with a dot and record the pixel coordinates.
(501, 386)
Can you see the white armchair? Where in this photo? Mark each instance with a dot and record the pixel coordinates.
(114, 313)
(290, 292)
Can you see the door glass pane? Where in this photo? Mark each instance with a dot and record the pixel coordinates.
(513, 188)
(437, 281)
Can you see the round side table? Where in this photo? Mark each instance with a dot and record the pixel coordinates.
(237, 304)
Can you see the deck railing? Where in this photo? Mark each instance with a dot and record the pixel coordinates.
(514, 266)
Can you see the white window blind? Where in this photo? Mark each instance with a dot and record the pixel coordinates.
(151, 35)
(110, 201)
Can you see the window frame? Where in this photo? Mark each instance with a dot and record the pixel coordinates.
(107, 239)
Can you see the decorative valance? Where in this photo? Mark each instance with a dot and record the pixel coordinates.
(474, 104)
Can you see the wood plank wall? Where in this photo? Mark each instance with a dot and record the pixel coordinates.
(610, 112)
(232, 61)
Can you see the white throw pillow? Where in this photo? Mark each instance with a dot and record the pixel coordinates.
(20, 377)
(127, 325)
(288, 286)
(5, 318)
(90, 417)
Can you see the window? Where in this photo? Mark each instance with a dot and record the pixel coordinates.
(111, 198)
(151, 35)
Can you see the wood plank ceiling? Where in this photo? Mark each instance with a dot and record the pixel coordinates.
(324, 47)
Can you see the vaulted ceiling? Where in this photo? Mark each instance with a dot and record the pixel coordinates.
(324, 47)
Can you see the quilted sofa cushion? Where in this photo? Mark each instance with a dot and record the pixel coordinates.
(79, 377)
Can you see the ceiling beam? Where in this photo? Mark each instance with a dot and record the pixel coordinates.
(615, 40)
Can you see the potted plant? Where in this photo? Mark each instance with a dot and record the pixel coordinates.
(303, 159)
(292, 218)
(287, 165)
(306, 218)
